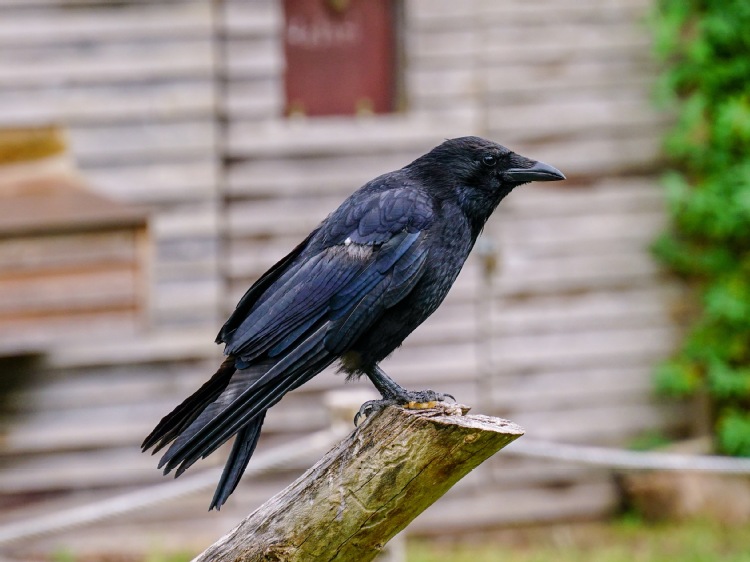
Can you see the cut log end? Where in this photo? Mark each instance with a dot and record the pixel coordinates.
(368, 487)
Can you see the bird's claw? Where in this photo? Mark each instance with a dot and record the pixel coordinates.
(369, 407)
(414, 400)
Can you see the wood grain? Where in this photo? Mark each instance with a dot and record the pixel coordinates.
(367, 488)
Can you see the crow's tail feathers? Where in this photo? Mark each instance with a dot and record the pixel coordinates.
(234, 402)
(242, 450)
(174, 423)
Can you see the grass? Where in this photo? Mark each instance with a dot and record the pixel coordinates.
(627, 540)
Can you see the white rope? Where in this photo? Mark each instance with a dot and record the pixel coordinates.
(132, 501)
(623, 459)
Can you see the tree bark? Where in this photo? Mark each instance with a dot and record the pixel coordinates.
(367, 488)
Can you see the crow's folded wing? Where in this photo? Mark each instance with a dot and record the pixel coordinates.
(373, 253)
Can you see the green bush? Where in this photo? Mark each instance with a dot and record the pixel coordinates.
(705, 49)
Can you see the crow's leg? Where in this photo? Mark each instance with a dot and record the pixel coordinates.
(395, 394)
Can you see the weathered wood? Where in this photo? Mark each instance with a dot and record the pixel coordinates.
(367, 488)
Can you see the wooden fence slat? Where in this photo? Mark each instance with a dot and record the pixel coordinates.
(582, 349)
(157, 182)
(41, 252)
(144, 142)
(26, 68)
(635, 195)
(600, 309)
(336, 136)
(609, 424)
(104, 24)
(105, 105)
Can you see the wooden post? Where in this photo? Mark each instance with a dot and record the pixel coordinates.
(367, 488)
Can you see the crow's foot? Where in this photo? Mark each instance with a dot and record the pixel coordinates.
(411, 400)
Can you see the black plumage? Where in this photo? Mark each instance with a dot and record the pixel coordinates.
(351, 292)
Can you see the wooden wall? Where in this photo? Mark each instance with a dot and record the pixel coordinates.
(554, 322)
(134, 84)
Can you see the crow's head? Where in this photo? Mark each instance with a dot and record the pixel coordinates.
(478, 173)
(477, 162)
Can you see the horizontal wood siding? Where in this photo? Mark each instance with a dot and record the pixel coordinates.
(555, 321)
(134, 84)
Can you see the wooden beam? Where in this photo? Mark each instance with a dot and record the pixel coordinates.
(367, 488)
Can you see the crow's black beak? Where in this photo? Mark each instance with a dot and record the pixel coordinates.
(539, 171)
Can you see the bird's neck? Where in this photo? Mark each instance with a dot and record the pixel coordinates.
(477, 207)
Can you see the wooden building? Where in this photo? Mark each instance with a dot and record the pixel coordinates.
(199, 111)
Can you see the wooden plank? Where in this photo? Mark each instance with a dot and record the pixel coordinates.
(593, 348)
(162, 182)
(588, 114)
(101, 23)
(187, 219)
(186, 301)
(592, 40)
(529, 81)
(561, 390)
(429, 84)
(253, 57)
(144, 142)
(257, 99)
(39, 253)
(585, 233)
(102, 104)
(103, 469)
(247, 19)
(444, 14)
(61, 390)
(32, 334)
(421, 14)
(97, 288)
(628, 195)
(156, 346)
(596, 154)
(260, 218)
(628, 308)
(574, 273)
(542, 14)
(106, 64)
(607, 425)
(518, 44)
(116, 426)
(75, 3)
(337, 136)
(316, 176)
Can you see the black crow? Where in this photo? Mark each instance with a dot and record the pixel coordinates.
(361, 282)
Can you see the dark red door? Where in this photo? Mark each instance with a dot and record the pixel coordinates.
(340, 56)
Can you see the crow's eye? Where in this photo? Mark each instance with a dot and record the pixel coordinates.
(489, 160)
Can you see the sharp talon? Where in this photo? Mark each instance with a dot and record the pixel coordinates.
(368, 408)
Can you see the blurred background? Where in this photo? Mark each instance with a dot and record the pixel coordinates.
(156, 157)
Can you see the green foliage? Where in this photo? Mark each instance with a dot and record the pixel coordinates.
(705, 48)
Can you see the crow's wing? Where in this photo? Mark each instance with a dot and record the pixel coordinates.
(373, 251)
(255, 292)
